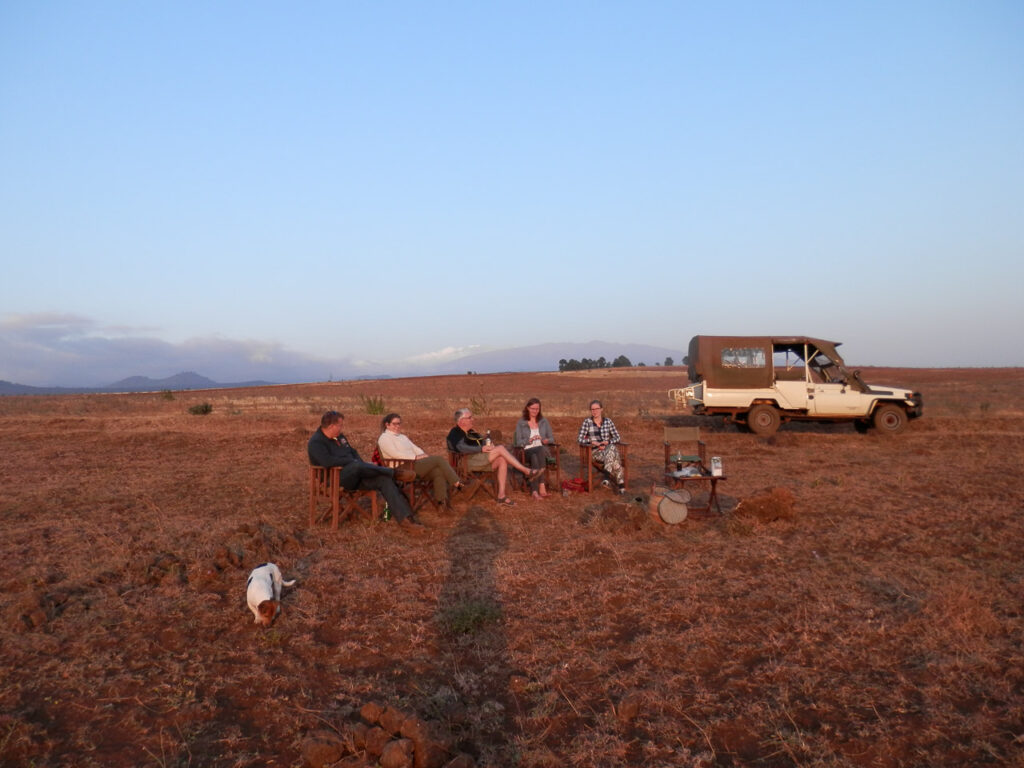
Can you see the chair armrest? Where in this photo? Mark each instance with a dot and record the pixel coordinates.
(398, 463)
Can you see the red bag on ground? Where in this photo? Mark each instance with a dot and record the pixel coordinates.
(576, 485)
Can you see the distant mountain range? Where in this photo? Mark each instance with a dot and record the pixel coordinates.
(540, 357)
(177, 383)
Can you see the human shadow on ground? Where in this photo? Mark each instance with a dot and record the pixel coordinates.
(474, 658)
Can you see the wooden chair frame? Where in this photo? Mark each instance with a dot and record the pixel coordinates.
(553, 466)
(419, 491)
(689, 436)
(324, 483)
(588, 467)
(460, 463)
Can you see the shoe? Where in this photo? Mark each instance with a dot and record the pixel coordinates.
(412, 525)
(605, 483)
(622, 490)
(505, 501)
(403, 475)
(536, 496)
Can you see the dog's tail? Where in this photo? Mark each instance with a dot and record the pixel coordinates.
(289, 583)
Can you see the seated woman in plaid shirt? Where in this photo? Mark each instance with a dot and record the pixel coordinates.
(601, 435)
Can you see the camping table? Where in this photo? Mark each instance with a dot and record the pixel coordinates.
(680, 482)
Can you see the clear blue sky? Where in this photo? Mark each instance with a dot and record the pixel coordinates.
(274, 185)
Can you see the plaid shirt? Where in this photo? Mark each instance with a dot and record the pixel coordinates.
(591, 433)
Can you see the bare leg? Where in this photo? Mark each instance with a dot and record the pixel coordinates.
(502, 467)
(500, 450)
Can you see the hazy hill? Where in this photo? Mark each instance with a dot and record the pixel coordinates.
(177, 382)
(540, 357)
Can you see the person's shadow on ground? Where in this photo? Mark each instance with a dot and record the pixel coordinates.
(474, 649)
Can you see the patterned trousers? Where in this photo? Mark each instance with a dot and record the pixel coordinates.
(611, 463)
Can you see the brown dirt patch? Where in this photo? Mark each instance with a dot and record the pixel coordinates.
(859, 604)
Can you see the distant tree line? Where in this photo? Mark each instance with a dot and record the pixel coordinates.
(587, 364)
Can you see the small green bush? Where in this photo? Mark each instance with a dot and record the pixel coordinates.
(374, 405)
(200, 410)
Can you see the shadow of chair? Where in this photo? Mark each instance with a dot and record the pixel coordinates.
(324, 484)
(553, 478)
(686, 463)
(589, 466)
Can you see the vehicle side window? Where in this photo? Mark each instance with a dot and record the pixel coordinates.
(743, 357)
(788, 364)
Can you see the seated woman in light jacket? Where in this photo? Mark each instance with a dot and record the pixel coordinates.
(533, 434)
(392, 444)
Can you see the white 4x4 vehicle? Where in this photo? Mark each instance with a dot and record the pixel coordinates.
(762, 381)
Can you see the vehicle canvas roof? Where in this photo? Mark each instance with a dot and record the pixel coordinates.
(705, 355)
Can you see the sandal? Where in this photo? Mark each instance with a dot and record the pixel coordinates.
(505, 501)
(535, 473)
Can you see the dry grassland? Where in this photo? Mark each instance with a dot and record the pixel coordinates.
(876, 621)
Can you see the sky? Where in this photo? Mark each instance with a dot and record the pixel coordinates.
(265, 190)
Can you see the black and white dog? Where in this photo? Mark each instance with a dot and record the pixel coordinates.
(263, 592)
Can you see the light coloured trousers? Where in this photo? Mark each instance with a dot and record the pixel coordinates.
(439, 472)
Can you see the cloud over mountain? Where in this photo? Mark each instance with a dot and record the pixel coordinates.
(55, 350)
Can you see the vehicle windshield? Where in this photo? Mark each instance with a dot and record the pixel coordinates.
(825, 370)
(790, 364)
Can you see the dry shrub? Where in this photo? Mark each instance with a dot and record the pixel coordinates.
(769, 505)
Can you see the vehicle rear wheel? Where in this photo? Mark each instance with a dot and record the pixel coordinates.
(890, 419)
(763, 420)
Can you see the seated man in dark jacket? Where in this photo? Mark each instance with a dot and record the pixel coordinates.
(329, 448)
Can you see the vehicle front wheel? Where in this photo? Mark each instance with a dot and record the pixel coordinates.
(763, 420)
(890, 419)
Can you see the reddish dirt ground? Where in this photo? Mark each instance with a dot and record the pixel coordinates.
(871, 617)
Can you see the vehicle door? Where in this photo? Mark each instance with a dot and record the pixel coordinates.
(790, 370)
(829, 394)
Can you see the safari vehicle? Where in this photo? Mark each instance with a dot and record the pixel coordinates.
(763, 381)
